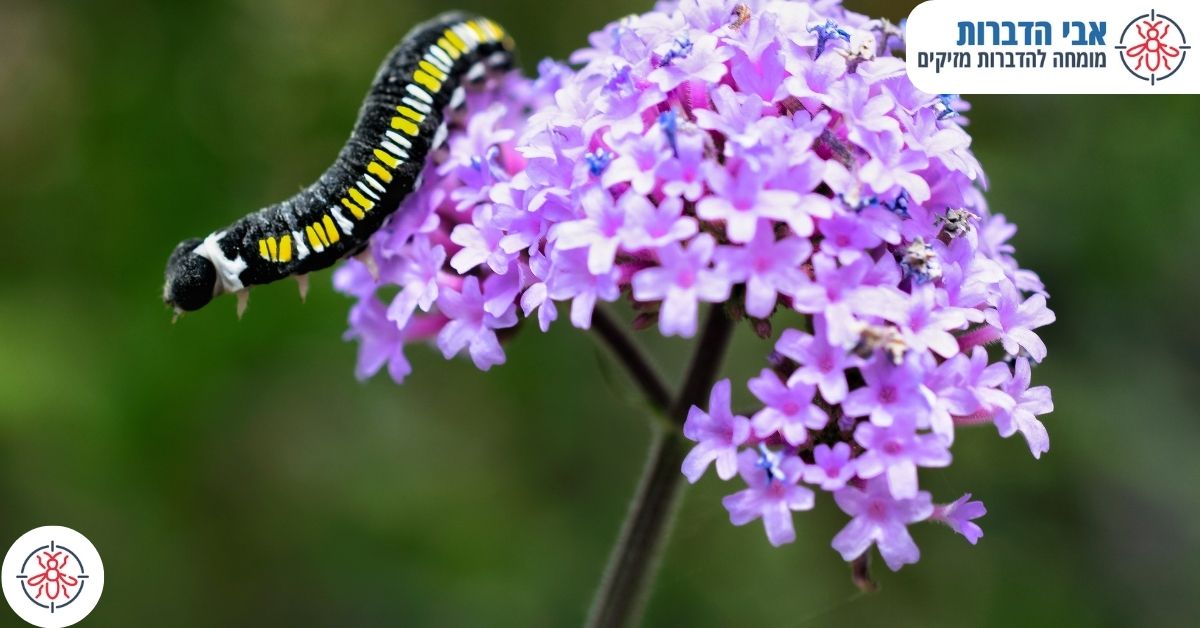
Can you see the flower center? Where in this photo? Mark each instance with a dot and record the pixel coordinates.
(686, 278)
(825, 363)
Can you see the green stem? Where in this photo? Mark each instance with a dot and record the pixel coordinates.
(641, 371)
(635, 558)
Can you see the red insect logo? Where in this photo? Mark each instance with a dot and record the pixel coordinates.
(1153, 53)
(1158, 49)
(52, 583)
(52, 576)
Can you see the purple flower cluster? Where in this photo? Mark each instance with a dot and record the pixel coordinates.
(770, 157)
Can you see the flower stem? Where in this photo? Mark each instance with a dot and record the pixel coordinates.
(634, 560)
(643, 373)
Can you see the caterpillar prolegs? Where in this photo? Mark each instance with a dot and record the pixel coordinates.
(401, 121)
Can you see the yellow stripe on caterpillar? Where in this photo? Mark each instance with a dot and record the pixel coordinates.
(406, 125)
(449, 48)
(432, 70)
(456, 40)
(427, 81)
(411, 114)
(313, 241)
(379, 171)
(358, 197)
(354, 209)
(331, 230)
(285, 248)
(391, 162)
(483, 36)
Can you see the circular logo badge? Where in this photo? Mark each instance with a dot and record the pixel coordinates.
(1153, 47)
(52, 577)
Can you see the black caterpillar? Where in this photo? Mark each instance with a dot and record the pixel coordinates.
(400, 122)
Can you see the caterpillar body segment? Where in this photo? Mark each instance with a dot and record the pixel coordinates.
(400, 122)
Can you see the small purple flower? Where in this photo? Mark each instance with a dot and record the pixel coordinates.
(893, 392)
(842, 292)
(682, 175)
(772, 493)
(417, 273)
(481, 243)
(638, 159)
(789, 409)
(898, 450)
(832, 467)
(928, 326)
(537, 295)
(959, 515)
(600, 230)
(1015, 321)
(380, 341)
(740, 200)
(1029, 403)
(892, 167)
(847, 237)
(882, 520)
(963, 386)
(681, 282)
(768, 268)
(570, 278)
(471, 327)
(353, 278)
(484, 132)
(732, 114)
(653, 227)
(976, 383)
(763, 76)
(820, 362)
(619, 105)
(718, 434)
(703, 61)
(866, 115)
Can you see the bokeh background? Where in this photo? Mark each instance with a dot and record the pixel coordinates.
(235, 474)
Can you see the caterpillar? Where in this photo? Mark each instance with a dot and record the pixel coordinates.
(402, 119)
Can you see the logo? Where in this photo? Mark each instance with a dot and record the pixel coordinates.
(52, 577)
(1153, 47)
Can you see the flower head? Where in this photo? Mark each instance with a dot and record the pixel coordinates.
(770, 158)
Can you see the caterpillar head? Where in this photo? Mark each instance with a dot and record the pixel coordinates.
(191, 278)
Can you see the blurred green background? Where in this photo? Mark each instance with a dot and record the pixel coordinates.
(234, 473)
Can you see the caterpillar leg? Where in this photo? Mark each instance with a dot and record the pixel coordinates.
(302, 282)
(243, 301)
